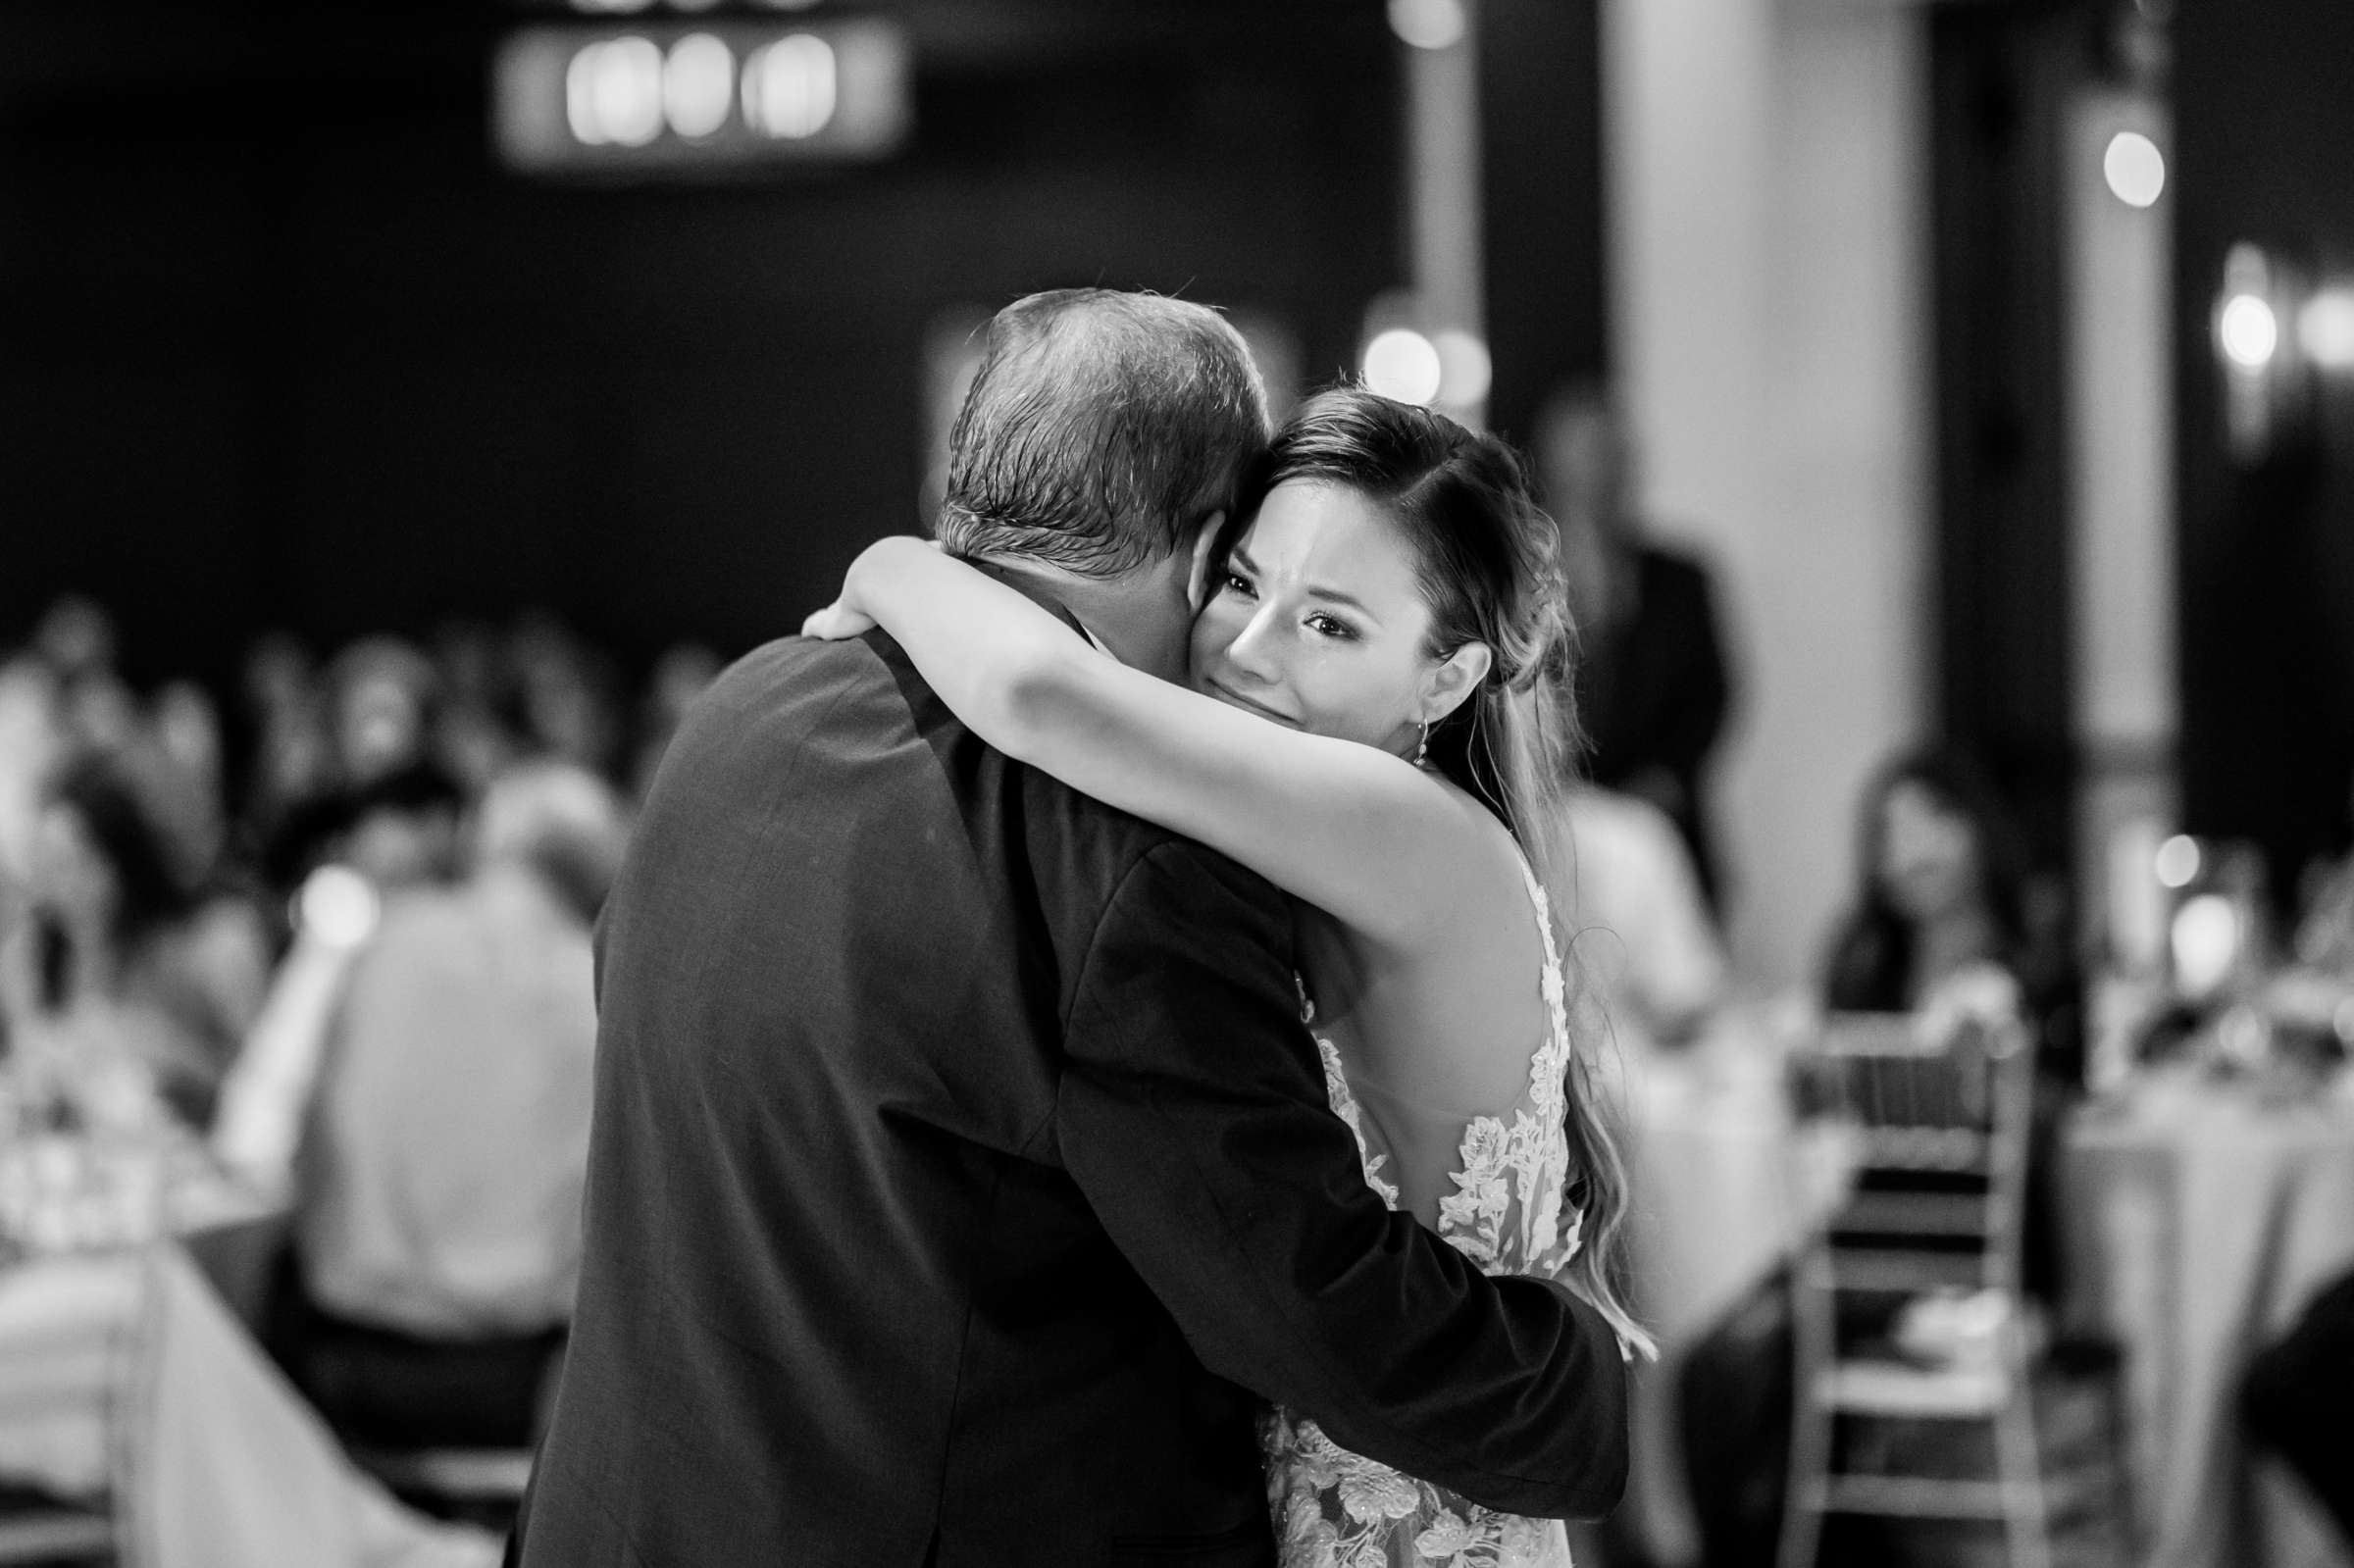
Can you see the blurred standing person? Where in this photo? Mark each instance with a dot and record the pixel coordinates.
(1652, 688)
(438, 1217)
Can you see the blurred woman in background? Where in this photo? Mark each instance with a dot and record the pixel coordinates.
(1946, 916)
(1944, 896)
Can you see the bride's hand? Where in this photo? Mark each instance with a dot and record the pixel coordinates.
(836, 622)
(847, 616)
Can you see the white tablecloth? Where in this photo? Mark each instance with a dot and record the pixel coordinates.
(2203, 1217)
(122, 1372)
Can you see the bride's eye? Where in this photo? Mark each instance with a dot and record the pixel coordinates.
(1236, 583)
(1331, 626)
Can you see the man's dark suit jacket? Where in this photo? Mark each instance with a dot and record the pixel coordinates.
(962, 1180)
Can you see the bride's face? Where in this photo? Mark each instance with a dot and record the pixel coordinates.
(1315, 620)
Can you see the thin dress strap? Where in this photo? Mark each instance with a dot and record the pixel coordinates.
(1552, 1059)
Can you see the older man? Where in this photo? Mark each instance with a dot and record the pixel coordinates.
(964, 1179)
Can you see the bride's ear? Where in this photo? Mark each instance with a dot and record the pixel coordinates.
(1197, 582)
(1454, 677)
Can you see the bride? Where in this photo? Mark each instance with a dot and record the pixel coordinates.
(1376, 725)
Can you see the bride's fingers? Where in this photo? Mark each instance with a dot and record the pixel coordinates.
(834, 623)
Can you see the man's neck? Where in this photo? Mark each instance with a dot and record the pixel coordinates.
(1046, 591)
(1104, 612)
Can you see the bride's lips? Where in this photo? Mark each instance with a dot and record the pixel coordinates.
(1233, 698)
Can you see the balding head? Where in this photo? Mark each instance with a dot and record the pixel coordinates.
(1102, 430)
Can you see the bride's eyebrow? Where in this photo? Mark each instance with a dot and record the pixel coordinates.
(1349, 600)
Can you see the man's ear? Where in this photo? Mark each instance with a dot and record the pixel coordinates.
(1197, 582)
(1455, 678)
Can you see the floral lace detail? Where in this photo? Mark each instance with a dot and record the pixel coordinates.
(1344, 1102)
(1523, 1164)
(1337, 1509)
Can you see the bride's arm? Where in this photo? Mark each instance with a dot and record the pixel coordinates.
(1361, 834)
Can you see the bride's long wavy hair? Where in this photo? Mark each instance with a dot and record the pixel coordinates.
(1489, 571)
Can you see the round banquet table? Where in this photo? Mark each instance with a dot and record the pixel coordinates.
(2203, 1215)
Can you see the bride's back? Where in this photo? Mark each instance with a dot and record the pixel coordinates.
(1430, 1041)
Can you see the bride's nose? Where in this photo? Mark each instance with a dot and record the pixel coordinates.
(1253, 651)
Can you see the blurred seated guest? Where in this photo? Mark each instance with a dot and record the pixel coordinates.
(566, 693)
(380, 706)
(182, 767)
(679, 678)
(131, 965)
(1942, 894)
(2326, 932)
(2295, 1396)
(437, 1224)
(397, 835)
(2326, 928)
(285, 728)
(30, 742)
(1941, 922)
(1651, 685)
(1639, 927)
(382, 694)
(95, 710)
(400, 830)
(474, 739)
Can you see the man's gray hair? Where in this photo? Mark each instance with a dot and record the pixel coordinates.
(1101, 430)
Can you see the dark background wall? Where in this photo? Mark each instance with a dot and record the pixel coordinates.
(2261, 124)
(1542, 200)
(280, 347)
(1999, 81)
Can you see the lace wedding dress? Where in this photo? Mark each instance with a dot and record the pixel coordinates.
(1338, 1509)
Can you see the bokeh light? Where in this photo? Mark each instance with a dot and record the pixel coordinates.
(1403, 364)
(2178, 861)
(2248, 331)
(2325, 329)
(1465, 370)
(1429, 23)
(698, 84)
(613, 92)
(788, 88)
(2136, 169)
(2206, 943)
(336, 907)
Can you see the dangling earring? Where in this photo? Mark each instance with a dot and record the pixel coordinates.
(1422, 750)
